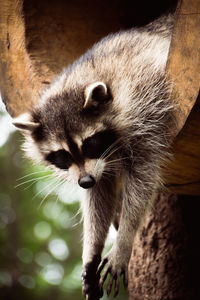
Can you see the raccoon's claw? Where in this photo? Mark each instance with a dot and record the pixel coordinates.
(116, 270)
(90, 280)
(91, 288)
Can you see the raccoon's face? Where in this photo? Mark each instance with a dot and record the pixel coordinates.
(73, 134)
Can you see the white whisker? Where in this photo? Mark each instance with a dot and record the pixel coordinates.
(32, 174)
(51, 190)
(47, 186)
(116, 160)
(113, 151)
(109, 148)
(26, 188)
(33, 179)
(63, 182)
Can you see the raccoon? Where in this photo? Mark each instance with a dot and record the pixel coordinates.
(104, 124)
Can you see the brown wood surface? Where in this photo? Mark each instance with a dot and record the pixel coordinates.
(182, 174)
(18, 82)
(184, 59)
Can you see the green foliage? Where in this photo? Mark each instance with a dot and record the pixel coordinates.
(40, 253)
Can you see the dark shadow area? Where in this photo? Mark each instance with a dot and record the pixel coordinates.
(71, 27)
(190, 206)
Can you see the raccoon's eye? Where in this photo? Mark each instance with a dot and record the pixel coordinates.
(61, 159)
(96, 145)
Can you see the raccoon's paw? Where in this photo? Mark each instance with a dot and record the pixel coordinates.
(90, 280)
(115, 266)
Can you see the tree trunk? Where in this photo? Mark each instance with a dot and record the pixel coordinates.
(164, 261)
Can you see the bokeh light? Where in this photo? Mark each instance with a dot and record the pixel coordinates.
(58, 249)
(25, 255)
(27, 281)
(53, 273)
(5, 278)
(42, 230)
(43, 259)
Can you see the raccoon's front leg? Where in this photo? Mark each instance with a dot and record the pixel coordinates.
(98, 210)
(136, 196)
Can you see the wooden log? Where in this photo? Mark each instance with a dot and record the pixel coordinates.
(18, 81)
(182, 174)
(184, 59)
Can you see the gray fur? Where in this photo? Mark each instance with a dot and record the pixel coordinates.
(136, 107)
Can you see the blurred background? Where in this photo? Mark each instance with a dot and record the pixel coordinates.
(40, 227)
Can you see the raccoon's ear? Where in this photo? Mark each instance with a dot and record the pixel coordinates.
(23, 122)
(96, 93)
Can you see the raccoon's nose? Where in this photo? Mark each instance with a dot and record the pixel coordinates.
(86, 182)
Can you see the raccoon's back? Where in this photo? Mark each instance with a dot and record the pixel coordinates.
(128, 54)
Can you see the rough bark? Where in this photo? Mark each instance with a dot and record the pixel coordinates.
(164, 262)
(156, 269)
